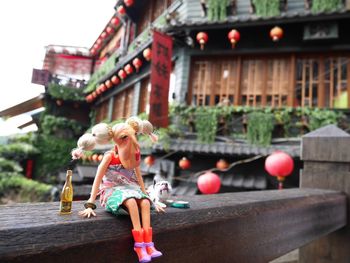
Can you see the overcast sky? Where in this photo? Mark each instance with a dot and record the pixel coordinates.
(28, 26)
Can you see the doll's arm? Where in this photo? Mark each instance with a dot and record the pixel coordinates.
(139, 179)
(101, 170)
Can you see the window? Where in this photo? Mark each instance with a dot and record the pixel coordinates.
(102, 111)
(123, 103)
(305, 81)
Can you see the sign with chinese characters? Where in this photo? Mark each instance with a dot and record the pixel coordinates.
(160, 78)
(41, 77)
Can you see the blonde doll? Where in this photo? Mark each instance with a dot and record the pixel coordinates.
(118, 179)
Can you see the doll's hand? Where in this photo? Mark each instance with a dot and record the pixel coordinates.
(159, 209)
(88, 212)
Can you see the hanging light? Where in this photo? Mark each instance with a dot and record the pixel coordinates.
(137, 63)
(103, 87)
(149, 160)
(128, 3)
(89, 98)
(276, 33)
(147, 54)
(115, 21)
(103, 35)
(234, 37)
(122, 75)
(202, 39)
(121, 10)
(209, 183)
(115, 80)
(94, 95)
(109, 30)
(280, 165)
(99, 41)
(222, 164)
(128, 69)
(109, 84)
(184, 163)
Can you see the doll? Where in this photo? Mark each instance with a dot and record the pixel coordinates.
(118, 179)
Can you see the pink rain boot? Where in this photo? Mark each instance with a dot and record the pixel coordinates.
(140, 246)
(151, 250)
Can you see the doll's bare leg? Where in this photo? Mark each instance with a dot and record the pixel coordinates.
(133, 209)
(145, 208)
(137, 232)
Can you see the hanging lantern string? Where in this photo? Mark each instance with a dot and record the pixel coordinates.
(195, 175)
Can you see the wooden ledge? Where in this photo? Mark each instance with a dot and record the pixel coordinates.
(233, 227)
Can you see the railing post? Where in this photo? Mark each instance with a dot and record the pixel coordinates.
(326, 156)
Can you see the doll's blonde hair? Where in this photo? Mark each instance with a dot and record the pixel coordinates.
(102, 133)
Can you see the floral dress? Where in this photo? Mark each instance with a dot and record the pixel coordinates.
(118, 185)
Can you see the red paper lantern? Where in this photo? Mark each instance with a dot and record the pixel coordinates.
(209, 183)
(128, 69)
(94, 95)
(109, 30)
(128, 3)
(222, 164)
(202, 39)
(184, 163)
(89, 98)
(100, 157)
(234, 36)
(94, 157)
(115, 21)
(99, 41)
(122, 74)
(98, 90)
(279, 164)
(137, 63)
(109, 84)
(103, 35)
(121, 10)
(276, 33)
(115, 80)
(149, 160)
(147, 54)
(103, 87)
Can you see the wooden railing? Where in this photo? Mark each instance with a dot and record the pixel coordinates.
(233, 227)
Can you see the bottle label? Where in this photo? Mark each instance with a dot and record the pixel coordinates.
(66, 207)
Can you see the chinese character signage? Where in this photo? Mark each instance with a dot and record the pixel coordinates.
(160, 78)
(41, 77)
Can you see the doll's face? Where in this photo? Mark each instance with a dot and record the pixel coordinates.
(124, 136)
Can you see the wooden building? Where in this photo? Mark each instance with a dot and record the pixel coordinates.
(308, 66)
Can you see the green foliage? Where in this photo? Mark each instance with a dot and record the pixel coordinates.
(107, 66)
(65, 93)
(18, 151)
(22, 189)
(206, 123)
(260, 126)
(267, 8)
(50, 125)
(55, 154)
(325, 5)
(217, 9)
(289, 118)
(9, 166)
(319, 118)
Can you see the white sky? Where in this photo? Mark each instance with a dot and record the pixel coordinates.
(28, 26)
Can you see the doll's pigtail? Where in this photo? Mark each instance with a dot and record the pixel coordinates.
(101, 134)
(135, 123)
(147, 129)
(86, 142)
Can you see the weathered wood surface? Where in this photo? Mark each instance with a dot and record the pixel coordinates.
(327, 166)
(233, 227)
